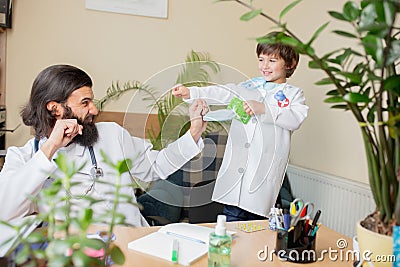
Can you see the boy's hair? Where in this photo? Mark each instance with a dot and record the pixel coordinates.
(286, 52)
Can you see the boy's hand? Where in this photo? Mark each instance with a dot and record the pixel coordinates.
(253, 107)
(181, 91)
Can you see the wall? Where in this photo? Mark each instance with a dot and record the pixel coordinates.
(117, 47)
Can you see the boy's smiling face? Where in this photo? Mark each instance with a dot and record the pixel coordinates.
(272, 68)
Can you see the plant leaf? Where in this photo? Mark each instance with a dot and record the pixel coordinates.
(371, 115)
(318, 32)
(389, 12)
(22, 255)
(345, 34)
(80, 259)
(324, 81)
(61, 162)
(356, 98)
(116, 255)
(334, 99)
(367, 17)
(373, 46)
(351, 11)
(288, 8)
(124, 166)
(333, 92)
(394, 53)
(250, 15)
(36, 237)
(353, 77)
(344, 107)
(337, 15)
(392, 83)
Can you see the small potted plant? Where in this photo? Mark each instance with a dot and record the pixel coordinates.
(66, 242)
(365, 82)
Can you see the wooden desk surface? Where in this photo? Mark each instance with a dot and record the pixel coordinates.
(245, 248)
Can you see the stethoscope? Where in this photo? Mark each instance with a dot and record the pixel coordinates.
(95, 172)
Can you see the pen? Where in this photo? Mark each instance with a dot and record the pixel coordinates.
(175, 251)
(316, 217)
(186, 237)
(314, 223)
(307, 225)
(315, 230)
(286, 219)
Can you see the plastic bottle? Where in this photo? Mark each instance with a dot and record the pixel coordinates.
(272, 219)
(219, 250)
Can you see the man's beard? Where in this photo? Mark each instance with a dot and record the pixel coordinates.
(90, 135)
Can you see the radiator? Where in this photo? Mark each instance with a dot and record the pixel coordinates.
(343, 202)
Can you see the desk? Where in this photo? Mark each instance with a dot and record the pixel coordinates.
(245, 248)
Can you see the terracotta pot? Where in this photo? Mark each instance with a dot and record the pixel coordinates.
(376, 246)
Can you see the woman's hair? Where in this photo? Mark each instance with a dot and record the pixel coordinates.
(286, 52)
(55, 83)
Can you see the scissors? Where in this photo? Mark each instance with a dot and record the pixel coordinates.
(300, 210)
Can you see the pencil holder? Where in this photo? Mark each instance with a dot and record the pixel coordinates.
(295, 245)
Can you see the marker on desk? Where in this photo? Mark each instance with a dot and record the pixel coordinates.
(314, 230)
(286, 219)
(314, 223)
(306, 225)
(175, 251)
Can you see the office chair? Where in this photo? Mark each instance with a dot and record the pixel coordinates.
(202, 209)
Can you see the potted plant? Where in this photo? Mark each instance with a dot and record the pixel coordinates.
(66, 242)
(365, 82)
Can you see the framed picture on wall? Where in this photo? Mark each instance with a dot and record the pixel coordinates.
(148, 8)
(5, 13)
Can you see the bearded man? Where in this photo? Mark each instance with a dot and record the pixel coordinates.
(61, 112)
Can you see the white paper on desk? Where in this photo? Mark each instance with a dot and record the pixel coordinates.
(6, 233)
(193, 242)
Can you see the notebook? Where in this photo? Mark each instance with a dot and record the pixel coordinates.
(192, 239)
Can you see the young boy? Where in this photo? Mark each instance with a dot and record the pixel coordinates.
(256, 153)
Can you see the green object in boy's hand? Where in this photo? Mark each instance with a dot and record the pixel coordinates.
(237, 106)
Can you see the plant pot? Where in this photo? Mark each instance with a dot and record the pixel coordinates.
(380, 247)
(396, 245)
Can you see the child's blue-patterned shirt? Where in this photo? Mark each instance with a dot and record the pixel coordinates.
(259, 83)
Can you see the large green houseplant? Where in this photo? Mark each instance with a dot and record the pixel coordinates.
(365, 82)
